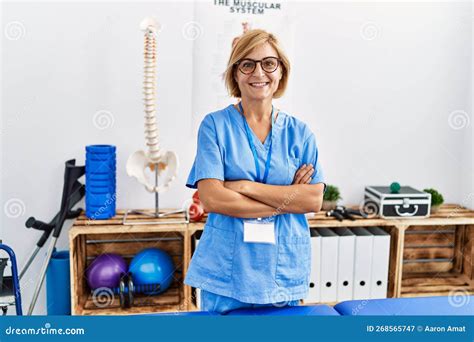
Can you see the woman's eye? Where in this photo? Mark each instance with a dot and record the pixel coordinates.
(247, 65)
(269, 64)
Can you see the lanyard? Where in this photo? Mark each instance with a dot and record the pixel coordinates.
(254, 151)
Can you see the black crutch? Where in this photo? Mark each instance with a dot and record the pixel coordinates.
(77, 194)
(72, 192)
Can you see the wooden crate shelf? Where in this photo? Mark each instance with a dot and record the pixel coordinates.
(438, 260)
(428, 256)
(90, 239)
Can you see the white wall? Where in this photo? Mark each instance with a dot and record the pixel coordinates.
(380, 105)
(377, 82)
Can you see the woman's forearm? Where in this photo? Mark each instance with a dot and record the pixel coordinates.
(218, 199)
(242, 206)
(297, 198)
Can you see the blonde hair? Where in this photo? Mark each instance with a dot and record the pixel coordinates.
(245, 45)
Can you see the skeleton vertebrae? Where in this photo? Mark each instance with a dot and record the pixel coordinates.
(154, 157)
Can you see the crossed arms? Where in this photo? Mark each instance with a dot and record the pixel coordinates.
(247, 199)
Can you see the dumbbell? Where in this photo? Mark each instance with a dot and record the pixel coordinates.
(127, 289)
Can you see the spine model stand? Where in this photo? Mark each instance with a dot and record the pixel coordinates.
(162, 163)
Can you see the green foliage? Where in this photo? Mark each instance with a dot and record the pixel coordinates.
(332, 193)
(436, 197)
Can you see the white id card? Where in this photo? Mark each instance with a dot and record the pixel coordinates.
(259, 230)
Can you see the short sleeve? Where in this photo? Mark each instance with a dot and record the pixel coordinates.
(310, 156)
(208, 162)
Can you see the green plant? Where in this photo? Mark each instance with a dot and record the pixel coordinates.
(332, 193)
(436, 197)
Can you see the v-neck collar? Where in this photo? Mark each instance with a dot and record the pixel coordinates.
(265, 145)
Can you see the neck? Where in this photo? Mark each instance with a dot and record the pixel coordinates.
(257, 110)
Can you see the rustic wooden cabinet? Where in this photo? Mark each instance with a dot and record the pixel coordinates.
(428, 257)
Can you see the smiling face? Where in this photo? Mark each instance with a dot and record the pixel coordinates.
(259, 85)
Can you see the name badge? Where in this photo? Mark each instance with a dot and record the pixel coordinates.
(259, 231)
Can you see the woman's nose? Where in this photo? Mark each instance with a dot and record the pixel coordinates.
(258, 70)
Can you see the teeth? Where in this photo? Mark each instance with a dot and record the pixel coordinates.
(258, 84)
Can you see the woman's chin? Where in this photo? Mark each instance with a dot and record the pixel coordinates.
(257, 96)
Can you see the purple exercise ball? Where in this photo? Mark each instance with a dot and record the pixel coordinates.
(105, 271)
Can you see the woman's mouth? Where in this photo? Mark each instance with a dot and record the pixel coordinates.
(259, 84)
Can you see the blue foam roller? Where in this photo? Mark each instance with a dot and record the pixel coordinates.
(99, 200)
(58, 285)
(110, 159)
(100, 156)
(100, 182)
(100, 168)
(93, 190)
(108, 176)
(100, 214)
(99, 178)
(100, 194)
(99, 209)
(106, 206)
(94, 159)
(100, 189)
(100, 149)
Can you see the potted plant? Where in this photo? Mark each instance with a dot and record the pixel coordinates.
(436, 199)
(330, 198)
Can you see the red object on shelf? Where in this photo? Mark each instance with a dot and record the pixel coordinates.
(196, 212)
(197, 200)
(196, 197)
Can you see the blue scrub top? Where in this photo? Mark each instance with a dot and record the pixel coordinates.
(223, 263)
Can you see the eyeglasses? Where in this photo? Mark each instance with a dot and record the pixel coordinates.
(268, 64)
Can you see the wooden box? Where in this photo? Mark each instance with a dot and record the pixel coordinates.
(89, 239)
(437, 259)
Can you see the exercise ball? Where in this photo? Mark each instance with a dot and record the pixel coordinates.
(152, 266)
(105, 271)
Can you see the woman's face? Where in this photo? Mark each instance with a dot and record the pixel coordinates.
(259, 85)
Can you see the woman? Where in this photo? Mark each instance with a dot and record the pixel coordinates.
(257, 173)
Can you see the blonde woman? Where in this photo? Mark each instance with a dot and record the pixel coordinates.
(257, 173)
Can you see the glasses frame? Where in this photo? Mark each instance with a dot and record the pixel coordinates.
(257, 61)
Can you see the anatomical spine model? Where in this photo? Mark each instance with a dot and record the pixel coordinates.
(154, 158)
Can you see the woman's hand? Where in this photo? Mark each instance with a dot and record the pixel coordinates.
(303, 174)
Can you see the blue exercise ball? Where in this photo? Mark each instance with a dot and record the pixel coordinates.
(152, 266)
